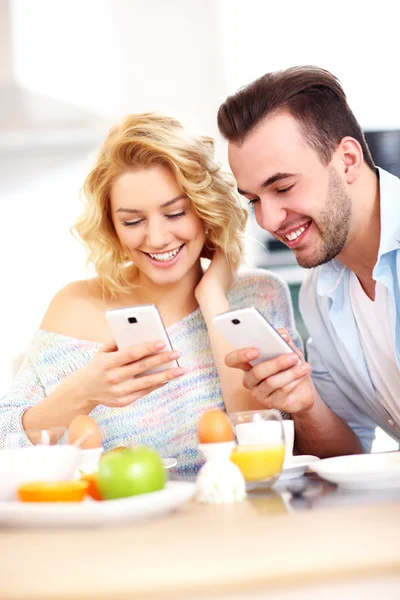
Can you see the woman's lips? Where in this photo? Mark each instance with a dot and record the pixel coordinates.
(164, 264)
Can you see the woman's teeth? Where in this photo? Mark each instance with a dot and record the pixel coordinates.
(295, 234)
(165, 256)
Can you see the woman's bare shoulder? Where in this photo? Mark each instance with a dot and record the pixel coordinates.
(75, 309)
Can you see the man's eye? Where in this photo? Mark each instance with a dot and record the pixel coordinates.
(253, 200)
(283, 190)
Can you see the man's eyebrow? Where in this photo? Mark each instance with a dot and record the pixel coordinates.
(276, 177)
(135, 211)
(269, 181)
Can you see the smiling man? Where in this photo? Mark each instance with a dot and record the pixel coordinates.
(300, 158)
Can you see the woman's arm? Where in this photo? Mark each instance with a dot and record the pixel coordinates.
(108, 379)
(26, 391)
(211, 294)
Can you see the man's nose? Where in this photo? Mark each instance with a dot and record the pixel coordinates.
(270, 215)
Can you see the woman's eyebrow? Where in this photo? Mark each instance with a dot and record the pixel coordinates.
(135, 211)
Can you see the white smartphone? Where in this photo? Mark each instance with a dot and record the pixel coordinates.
(248, 328)
(137, 325)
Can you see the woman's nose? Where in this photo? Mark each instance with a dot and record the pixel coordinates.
(157, 235)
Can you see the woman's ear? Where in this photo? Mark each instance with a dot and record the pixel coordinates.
(350, 155)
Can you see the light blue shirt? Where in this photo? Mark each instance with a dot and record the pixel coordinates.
(339, 368)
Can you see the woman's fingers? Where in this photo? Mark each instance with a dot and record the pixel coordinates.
(145, 383)
(110, 346)
(132, 354)
(126, 400)
(135, 369)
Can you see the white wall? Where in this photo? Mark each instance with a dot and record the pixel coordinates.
(119, 56)
(38, 254)
(358, 41)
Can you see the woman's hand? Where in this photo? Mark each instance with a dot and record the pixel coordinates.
(113, 378)
(218, 276)
(283, 382)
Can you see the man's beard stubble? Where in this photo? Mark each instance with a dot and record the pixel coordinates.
(333, 224)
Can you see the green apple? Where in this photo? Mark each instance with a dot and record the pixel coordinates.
(129, 472)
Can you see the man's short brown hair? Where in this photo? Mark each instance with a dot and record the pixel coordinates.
(311, 95)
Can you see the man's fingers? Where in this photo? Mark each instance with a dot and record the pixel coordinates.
(271, 367)
(286, 336)
(281, 384)
(240, 359)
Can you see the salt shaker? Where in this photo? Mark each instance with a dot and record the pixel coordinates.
(219, 480)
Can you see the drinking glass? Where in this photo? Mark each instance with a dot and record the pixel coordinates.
(260, 449)
(44, 437)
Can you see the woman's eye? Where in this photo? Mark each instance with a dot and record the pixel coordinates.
(131, 223)
(176, 215)
(283, 190)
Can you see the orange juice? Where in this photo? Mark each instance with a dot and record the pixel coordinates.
(259, 463)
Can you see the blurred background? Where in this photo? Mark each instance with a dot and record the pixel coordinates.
(69, 70)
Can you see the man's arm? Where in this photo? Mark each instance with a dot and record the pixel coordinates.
(319, 431)
(285, 383)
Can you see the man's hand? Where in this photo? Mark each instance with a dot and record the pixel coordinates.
(283, 383)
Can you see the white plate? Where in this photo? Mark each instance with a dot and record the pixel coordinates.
(93, 514)
(169, 463)
(361, 471)
(296, 466)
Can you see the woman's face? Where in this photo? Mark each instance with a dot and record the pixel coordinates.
(156, 224)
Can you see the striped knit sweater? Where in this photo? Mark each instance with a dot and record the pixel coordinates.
(166, 418)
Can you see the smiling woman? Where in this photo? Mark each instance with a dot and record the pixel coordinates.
(157, 226)
(156, 202)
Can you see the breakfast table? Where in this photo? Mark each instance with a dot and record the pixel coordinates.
(305, 539)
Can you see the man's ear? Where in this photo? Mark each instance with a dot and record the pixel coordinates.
(351, 159)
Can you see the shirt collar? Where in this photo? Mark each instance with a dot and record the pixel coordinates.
(329, 278)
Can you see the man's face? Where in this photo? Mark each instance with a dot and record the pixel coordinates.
(296, 198)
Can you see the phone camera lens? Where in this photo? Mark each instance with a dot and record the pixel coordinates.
(132, 319)
(235, 321)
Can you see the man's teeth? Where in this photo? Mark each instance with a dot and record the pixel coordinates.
(295, 234)
(165, 256)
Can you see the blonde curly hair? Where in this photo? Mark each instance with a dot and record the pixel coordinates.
(142, 141)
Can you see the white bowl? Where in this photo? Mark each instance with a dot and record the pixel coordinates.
(37, 463)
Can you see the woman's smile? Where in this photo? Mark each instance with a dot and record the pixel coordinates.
(166, 259)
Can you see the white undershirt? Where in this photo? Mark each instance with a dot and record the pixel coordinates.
(377, 341)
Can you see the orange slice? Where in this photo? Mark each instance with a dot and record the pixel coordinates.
(93, 490)
(57, 491)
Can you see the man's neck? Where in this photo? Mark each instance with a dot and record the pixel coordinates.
(360, 253)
